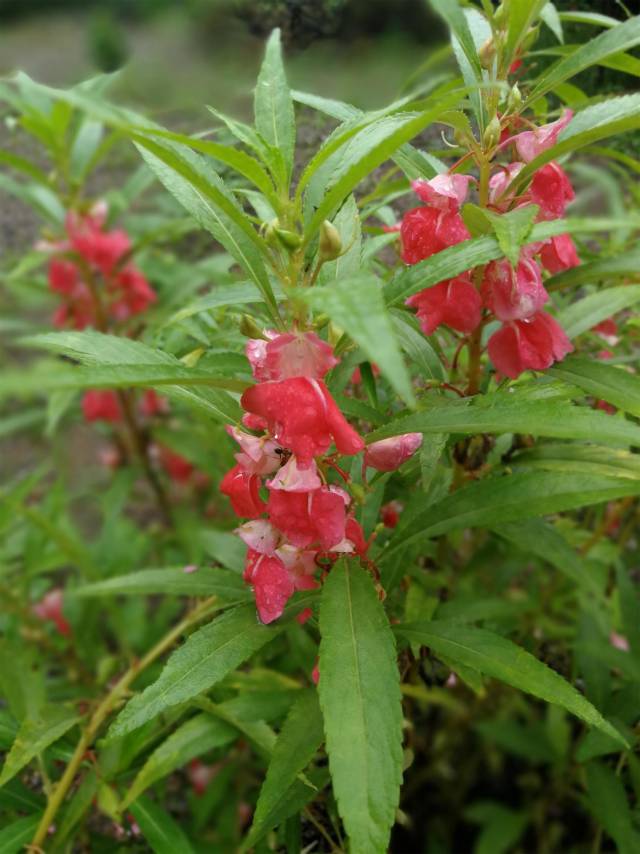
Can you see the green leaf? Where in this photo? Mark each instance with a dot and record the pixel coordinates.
(520, 16)
(201, 191)
(360, 700)
(363, 153)
(416, 346)
(464, 47)
(540, 538)
(509, 498)
(162, 833)
(22, 683)
(549, 14)
(223, 583)
(275, 119)
(19, 833)
(615, 385)
(629, 607)
(344, 302)
(193, 738)
(620, 38)
(512, 229)
(608, 803)
(621, 265)
(234, 294)
(301, 735)
(570, 457)
(207, 656)
(591, 310)
(224, 547)
(34, 736)
(498, 657)
(504, 413)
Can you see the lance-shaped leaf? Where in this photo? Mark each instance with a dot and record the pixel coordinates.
(500, 658)
(360, 700)
(572, 457)
(164, 835)
(586, 313)
(34, 736)
(356, 305)
(224, 583)
(301, 735)
(615, 385)
(275, 120)
(207, 656)
(19, 833)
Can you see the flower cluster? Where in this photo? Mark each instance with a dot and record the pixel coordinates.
(529, 337)
(91, 273)
(299, 522)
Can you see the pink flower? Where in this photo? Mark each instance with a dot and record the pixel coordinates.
(272, 586)
(499, 195)
(390, 513)
(64, 276)
(242, 490)
(532, 344)
(133, 291)
(315, 673)
(153, 404)
(558, 254)
(295, 478)
(260, 536)
(300, 564)
(551, 190)
(425, 231)
(532, 143)
(102, 249)
(455, 303)
(607, 329)
(312, 518)
(101, 406)
(177, 467)
(200, 775)
(302, 416)
(619, 641)
(389, 454)
(292, 354)
(513, 294)
(355, 535)
(445, 192)
(50, 608)
(258, 452)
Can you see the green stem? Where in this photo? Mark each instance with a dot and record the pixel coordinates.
(101, 713)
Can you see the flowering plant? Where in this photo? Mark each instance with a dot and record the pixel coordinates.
(419, 460)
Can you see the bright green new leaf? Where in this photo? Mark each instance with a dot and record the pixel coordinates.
(17, 834)
(360, 700)
(275, 120)
(501, 659)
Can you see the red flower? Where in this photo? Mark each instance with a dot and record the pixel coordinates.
(455, 303)
(558, 254)
(427, 230)
(134, 293)
(63, 276)
(153, 404)
(176, 466)
(445, 192)
(101, 406)
(258, 454)
(551, 190)
(607, 329)
(315, 518)
(389, 454)
(355, 535)
(242, 490)
(50, 608)
(272, 587)
(513, 294)
(390, 514)
(292, 354)
(533, 344)
(302, 416)
(101, 249)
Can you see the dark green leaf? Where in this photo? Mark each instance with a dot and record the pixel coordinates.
(605, 382)
(223, 583)
(34, 736)
(162, 833)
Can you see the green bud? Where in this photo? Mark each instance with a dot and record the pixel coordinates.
(531, 38)
(268, 229)
(492, 132)
(500, 15)
(330, 245)
(321, 321)
(289, 239)
(334, 334)
(514, 101)
(487, 54)
(250, 328)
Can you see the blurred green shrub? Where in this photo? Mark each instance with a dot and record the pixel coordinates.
(107, 41)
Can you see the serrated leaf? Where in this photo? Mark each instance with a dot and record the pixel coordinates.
(500, 658)
(344, 301)
(591, 310)
(226, 585)
(275, 120)
(193, 738)
(570, 457)
(34, 736)
(206, 657)
(608, 803)
(360, 699)
(19, 833)
(162, 833)
(512, 229)
(603, 269)
(605, 382)
(505, 413)
(301, 735)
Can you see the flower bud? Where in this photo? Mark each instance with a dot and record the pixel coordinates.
(487, 54)
(491, 136)
(250, 328)
(514, 101)
(330, 245)
(500, 15)
(389, 454)
(269, 231)
(289, 239)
